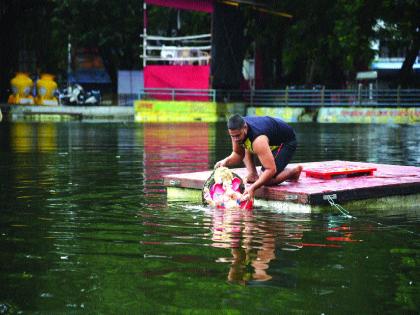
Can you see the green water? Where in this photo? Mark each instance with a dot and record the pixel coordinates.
(85, 228)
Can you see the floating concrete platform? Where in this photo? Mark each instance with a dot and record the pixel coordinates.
(389, 187)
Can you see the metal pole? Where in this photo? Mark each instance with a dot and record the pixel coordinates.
(68, 60)
(144, 33)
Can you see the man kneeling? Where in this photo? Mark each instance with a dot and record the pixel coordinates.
(271, 140)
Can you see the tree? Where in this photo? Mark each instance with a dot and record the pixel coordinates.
(25, 35)
(328, 41)
(402, 29)
(164, 21)
(113, 27)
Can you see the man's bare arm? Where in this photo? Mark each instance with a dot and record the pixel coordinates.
(234, 158)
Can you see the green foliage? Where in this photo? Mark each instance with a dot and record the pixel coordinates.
(329, 41)
(401, 33)
(326, 42)
(25, 42)
(164, 21)
(111, 26)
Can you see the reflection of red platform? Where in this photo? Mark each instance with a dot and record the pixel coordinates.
(339, 171)
(168, 147)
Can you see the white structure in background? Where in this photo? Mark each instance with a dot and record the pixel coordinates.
(248, 69)
(183, 50)
(130, 86)
(371, 79)
(248, 72)
(383, 59)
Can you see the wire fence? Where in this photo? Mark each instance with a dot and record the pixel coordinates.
(285, 97)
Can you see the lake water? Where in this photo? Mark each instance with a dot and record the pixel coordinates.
(86, 228)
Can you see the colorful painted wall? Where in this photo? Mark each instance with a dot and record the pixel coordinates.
(370, 115)
(288, 114)
(184, 111)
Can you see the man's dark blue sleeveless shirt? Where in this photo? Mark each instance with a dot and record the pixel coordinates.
(276, 130)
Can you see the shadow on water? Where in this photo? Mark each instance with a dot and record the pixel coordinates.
(85, 226)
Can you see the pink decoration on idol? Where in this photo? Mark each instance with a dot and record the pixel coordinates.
(223, 198)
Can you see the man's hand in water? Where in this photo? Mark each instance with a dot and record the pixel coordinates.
(248, 194)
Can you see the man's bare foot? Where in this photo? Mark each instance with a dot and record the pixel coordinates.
(251, 178)
(296, 173)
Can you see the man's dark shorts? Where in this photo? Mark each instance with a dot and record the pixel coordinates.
(283, 155)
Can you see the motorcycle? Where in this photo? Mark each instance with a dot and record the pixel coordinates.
(76, 95)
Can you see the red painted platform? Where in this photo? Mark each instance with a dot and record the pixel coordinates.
(386, 180)
(350, 170)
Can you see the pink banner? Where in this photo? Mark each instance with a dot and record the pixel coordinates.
(177, 77)
(195, 5)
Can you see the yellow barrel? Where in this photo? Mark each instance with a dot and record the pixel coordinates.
(21, 87)
(45, 88)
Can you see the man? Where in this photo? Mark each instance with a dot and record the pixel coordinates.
(271, 140)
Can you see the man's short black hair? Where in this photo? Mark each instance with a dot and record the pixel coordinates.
(235, 122)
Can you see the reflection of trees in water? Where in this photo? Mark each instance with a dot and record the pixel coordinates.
(361, 142)
(251, 240)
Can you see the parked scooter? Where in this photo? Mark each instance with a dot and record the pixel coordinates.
(76, 95)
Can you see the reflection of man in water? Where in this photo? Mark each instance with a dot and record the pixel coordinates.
(235, 229)
(248, 265)
(271, 140)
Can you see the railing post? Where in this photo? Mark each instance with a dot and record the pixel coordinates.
(173, 94)
(359, 94)
(286, 96)
(398, 95)
(322, 95)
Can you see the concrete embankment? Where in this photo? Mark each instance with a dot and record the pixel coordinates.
(185, 111)
(62, 113)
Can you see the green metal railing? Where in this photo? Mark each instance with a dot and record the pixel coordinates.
(293, 97)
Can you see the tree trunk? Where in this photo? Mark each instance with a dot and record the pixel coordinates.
(228, 47)
(406, 70)
(9, 13)
(310, 71)
(111, 67)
